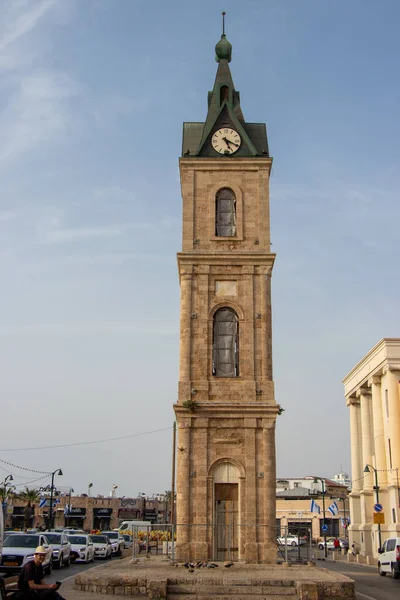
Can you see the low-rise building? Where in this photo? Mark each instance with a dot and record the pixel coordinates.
(373, 396)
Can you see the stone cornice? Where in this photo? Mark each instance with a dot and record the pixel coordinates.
(232, 410)
(217, 164)
(198, 257)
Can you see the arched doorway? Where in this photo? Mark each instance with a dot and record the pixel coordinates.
(226, 512)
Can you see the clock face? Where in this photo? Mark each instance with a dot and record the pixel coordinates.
(226, 141)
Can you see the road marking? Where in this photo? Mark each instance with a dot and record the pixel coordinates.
(365, 596)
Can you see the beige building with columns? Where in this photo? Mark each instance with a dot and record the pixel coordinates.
(372, 394)
(226, 410)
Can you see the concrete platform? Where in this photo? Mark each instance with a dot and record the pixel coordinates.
(157, 578)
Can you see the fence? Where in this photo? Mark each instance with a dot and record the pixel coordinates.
(223, 541)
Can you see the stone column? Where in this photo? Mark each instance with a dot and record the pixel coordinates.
(265, 326)
(185, 325)
(366, 435)
(183, 485)
(355, 435)
(269, 491)
(379, 437)
(251, 547)
(392, 372)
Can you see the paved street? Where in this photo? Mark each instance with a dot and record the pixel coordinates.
(369, 585)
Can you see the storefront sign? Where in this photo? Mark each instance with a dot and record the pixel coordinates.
(102, 512)
(76, 511)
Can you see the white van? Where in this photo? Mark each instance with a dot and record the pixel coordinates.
(389, 558)
(134, 526)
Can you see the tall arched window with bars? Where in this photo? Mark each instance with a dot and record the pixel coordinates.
(225, 213)
(225, 343)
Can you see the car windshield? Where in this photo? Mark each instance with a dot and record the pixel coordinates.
(54, 538)
(99, 539)
(77, 539)
(113, 535)
(126, 537)
(21, 541)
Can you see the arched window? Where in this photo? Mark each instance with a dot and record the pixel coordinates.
(225, 213)
(223, 94)
(226, 343)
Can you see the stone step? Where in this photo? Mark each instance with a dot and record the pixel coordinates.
(237, 596)
(234, 590)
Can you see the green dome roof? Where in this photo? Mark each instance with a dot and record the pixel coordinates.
(223, 50)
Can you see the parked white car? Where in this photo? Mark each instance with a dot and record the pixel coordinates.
(102, 546)
(291, 540)
(117, 541)
(82, 548)
(19, 549)
(61, 549)
(389, 558)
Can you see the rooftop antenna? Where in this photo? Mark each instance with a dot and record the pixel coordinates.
(223, 22)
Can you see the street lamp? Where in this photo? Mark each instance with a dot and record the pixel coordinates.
(316, 479)
(4, 485)
(344, 515)
(69, 504)
(89, 486)
(376, 488)
(56, 472)
(8, 478)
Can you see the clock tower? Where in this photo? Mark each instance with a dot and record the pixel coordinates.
(226, 410)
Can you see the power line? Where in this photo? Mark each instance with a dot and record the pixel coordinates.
(23, 468)
(123, 437)
(14, 474)
(32, 481)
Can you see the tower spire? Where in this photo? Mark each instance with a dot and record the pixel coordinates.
(223, 50)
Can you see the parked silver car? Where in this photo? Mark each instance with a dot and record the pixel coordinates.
(61, 549)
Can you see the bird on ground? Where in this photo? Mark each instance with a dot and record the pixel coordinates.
(228, 564)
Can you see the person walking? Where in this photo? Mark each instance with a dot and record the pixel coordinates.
(336, 545)
(31, 578)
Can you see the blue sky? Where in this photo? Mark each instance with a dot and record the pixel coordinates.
(92, 99)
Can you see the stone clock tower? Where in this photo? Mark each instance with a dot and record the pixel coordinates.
(226, 410)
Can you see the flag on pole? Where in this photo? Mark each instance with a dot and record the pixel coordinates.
(333, 509)
(66, 510)
(42, 502)
(314, 506)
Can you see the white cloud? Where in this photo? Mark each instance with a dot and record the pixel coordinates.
(7, 215)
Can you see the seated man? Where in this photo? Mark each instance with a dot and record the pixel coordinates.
(31, 578)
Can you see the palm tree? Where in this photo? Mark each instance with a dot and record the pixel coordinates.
(30, 496)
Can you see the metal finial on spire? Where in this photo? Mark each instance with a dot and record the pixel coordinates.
(223, 50)
(223, 22)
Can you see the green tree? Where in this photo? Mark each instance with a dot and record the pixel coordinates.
(30, 496)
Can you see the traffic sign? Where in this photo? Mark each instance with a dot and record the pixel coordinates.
(324, 528)
(378, 507)
(379, 518)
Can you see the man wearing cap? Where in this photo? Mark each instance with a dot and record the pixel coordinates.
(31, 578)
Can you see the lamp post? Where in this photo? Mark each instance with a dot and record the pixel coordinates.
(71, 490)
(4, 503)
(316, 479)
(376, 488)
(344, 515)
(56, 472)
(89, 486)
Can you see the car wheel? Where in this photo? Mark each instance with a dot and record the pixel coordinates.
(382, 573)
(50, 568)
(395, 573)
(68, 561)
(321, 546)
(293, 543)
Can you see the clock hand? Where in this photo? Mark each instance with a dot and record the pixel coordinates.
(230, 142)
(227, 142)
